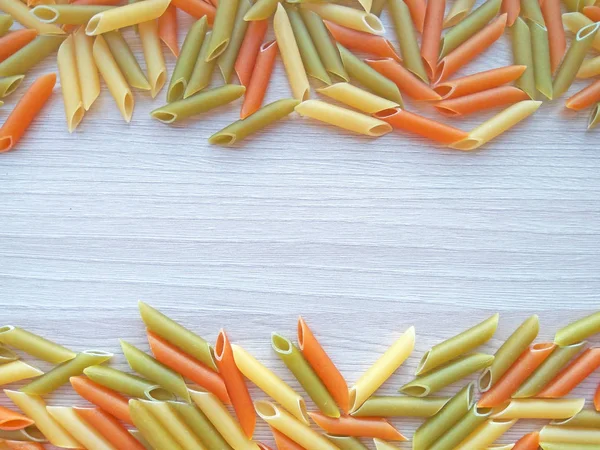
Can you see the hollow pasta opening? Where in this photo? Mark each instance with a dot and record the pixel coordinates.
(373, 22)
(467, 144)
(380, 130)
(34, 434)
(220, 345)
(164, 116)
(542, 346)
(76, 118)
(281, 344)
(92, 26)
(264, 47)
(387, 113)
(423, 362)
(223, 139)
(156, 393)
(14, 424)
(6, 354)
(587, 31)
(444, 90)
(177, 89)
(160, 81)
(301, 326)
(594, 117)
(6, 143)
(6, 329)
(416, 391)
(482, 411)
(218, 50)
(352, 399)
(128, 106)
(485, 380)
(266, 410)
(45, 13)
(12, 87)
(97, 353)
(447, 111)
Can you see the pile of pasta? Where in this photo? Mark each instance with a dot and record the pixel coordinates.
(315, 39)
(157, 409)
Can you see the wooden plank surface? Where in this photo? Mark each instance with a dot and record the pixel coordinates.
(363, 237)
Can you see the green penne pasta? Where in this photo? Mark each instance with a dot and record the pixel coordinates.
(268, 114)
(523, 55)
(585, 419)
(566, 446)
(530, 9)
(141, 439)
(377, 7)
(126, 60)
(126, 383)
(565, 75)
(458, 345)
(594, 117)
(572, 333)
(557, 360)
(407, 38)
(261, 10)
(30, 433)
(301, 369)
(203, 70)
(464, 427)
(541, 58)
(186, 60)
(199, 424)
(7, 355)
(369, 77)
(60, 375)
(174, 423)
(67, 14)
(308, 51)
(509, 352)
(346, 442)
(176, 334)
(8, 85)
(198, 104)
(222, 28)
(398, 406)
(446, 375)
(6, 22)
(328, 53)
(469, 26)
(152, 430)
(27, 57)
(449, 415)
(227, 59)
(34, 345)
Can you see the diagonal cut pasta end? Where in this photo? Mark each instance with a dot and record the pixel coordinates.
(75, 119)
(468, 144)
(379, 129)
(594, 117)
(91, 29)
(224, 139)
(373, 24)
(158, 83)
(266, 410)
(46, 13)
(6, 143)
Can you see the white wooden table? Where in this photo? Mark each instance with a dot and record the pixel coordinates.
(362, 237)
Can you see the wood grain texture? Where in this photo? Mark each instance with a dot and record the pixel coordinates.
(363, 237)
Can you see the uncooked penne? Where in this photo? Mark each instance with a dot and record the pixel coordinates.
(226, 60)
(458, 12)
(125, 16)
(8, 85)
(404, 79)
(567, 435)
(155, 60)
(83, 433)
(27, 57)
(575, 21)
(347, 17)
(400, 406)
(126, 60)
(67, 14)
(184, 68)
(127, 384)
(462, 429)
(553, 409)
(16, 371)
(69, 83)
(357, 426)
(87, 72)
(407, 38)
(199, 424)
(576, 331)
(6, 354)
(357, 98)
(21, 13)
(222, 28)
(486, 434)
(572, 375)
(35, 345)
(150, 427)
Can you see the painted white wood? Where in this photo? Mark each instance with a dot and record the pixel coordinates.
(363, 237)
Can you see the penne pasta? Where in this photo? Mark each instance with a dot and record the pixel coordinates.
(295, 430)
(127, 384)
(155, 61)
(359, 427)
(78, 428)
(20, 62)
(283, 442)
(200, 425)
(417, 10)
(414, 123)
(12, 421)
(198, 104)
(348, 17)
(8, 85)
(366, 102)
(69, 83)
(497, 125)
(87, 72)
(6, 21)
(541, 58)
(432, 33)
(67, 14)
(458, 345)
(566, 435)
(110, 428)
(452, 372)
(469, 26)
(552, 409)
(383, 445)
(382, 369)
(222, 28)
(530, 10)
(249, 51)
(486, 434)
(407, 37)
(196, 8)
(168, 28)
(462, 429)
(16, 370)
(28, 434)
(290, 54)
(15, 41)
(512, 8)
(261, 10)
(556, 32)
(493, 98)
(399, 406)
(125, 60)
(150, 428)
(509, 352)
(530, 441)
(361, 42)
(478, 82)
(565, 446)
(106, 399)
(586, 418)
(405, 80)
(114, 79)
(458, 11)
(34, 407)
(33, 344)
(575, 21)
(574, 332)
(572, 375)
(259, 82)
(203, 70)
(20, 13)
(10, 133)
(594, 117)
(181, 76)
(589, 68)
(125, 16)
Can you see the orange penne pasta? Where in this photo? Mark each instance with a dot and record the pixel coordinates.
(406, 81)
(512, 9)
(592, 13)
(26, 110)
(361, 42)
(246, 59)
(323, 366)
(11, 420)
(478, 82)
(480, 101)
(188, 366)
(585, 98)
(110, 428)
(282, 442)
(471, 48)
(358, 427)
(407, 121)
(21, 445)
(432, 34)
(196, 8)
(167, 29)
(417, 10)
(13, 42)
(556, 31)
(106, 399)
(236, 386)
(530, 441)
(529, 360)
(261, 75)
(568, 378)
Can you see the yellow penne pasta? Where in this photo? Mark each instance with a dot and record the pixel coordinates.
(383, 368)
(17, 371)
(226, 425)
(78, 428)
(288, 48)
(486, 434)
(343, 118)
(348, 17)
(34, 407)
(20, 12)
(176, 426)
(270, 383)
(155, 61)
(540, 409)
(69, 83)
(113, 78)
(383, 445)
(575, 21)
(89, 81)
(126, 16)
(589, 68)
(294, 429)
(497, 125)
(357, 98)
(567, 435)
